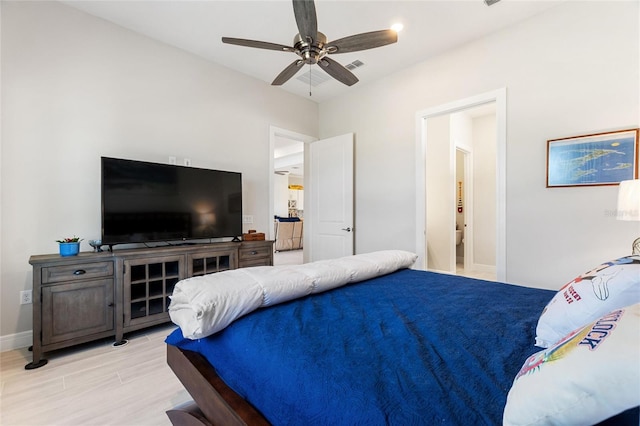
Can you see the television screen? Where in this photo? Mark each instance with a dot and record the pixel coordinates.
(144, 202)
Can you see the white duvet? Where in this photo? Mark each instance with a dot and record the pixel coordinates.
(204, 305)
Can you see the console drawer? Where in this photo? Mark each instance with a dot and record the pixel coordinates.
(255, 253)
(76, 272)
(250, 253)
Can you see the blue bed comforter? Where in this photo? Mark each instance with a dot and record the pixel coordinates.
(411, 347)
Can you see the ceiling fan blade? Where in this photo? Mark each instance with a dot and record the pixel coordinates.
(305, 13)
(258, 44)
(288, 72)
(337, 71)
(362, 41)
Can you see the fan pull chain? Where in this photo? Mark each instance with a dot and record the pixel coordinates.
(309, 80)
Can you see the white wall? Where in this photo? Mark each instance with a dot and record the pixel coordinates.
(75, 88)
(484, 190)
(573, 70)
(281, 195)
(440, 222)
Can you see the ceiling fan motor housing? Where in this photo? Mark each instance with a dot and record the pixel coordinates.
(312, 52)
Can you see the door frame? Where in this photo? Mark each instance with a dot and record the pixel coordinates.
(498, 96)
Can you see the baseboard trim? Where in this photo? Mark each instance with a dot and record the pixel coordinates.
(20, 340)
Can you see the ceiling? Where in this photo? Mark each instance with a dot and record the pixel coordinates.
(288, 157)
(430, 28)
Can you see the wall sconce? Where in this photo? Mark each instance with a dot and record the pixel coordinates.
(629, 205)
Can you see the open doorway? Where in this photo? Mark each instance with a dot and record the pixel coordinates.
(460, 191)
(287, 195)
(328, 220)
(439, 191)
(473, 135)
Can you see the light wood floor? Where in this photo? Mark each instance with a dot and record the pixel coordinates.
(480, 275)
(289, 257)
(94, 384)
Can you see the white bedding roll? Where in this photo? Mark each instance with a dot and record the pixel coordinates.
(280, 284)
(204, 305)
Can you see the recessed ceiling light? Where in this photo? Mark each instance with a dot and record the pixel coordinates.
(397, 27)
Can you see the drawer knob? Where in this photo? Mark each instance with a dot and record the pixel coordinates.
(79, 272)
(254, 252)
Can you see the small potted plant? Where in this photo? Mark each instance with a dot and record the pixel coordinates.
(69, 246)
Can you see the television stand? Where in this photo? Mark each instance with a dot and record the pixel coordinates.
(97, 295)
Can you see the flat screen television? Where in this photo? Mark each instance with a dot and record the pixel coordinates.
(144, 202)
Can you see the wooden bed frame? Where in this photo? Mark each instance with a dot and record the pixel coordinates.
(215, 403)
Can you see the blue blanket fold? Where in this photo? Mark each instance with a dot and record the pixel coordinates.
(411, 347)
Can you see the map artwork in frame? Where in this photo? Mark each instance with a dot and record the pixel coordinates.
(598, 159)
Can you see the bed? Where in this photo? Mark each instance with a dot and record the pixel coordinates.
(401, 347)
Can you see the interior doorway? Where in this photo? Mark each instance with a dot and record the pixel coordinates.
(460, 191)
(438, 189)
(286, 198)
(473, 132)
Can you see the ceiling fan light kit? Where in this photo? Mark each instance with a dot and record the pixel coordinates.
(312, 47)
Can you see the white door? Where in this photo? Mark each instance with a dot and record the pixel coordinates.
(329, 198)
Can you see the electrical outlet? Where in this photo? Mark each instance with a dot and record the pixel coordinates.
(187, 161)
(247, 218)
(172, 160)
(26, 297)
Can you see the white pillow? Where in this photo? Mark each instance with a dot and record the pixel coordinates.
(591, 375)
(609, 286)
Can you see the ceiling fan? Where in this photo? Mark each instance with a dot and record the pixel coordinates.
(312, 47)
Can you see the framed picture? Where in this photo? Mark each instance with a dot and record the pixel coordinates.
(598, 159)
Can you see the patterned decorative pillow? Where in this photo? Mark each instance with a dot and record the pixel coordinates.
(589, 376)
(609, 286)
